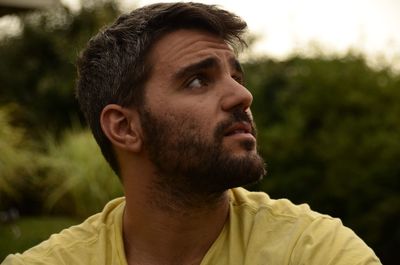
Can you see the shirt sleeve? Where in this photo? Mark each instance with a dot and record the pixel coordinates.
(327, 241)
(12, 260)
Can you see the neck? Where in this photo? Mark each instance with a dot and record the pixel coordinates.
(158, 229)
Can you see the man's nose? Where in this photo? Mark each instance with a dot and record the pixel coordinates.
(236, 95)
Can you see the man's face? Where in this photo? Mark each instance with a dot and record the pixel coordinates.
(196, 119)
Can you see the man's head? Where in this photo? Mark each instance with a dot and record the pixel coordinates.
(173, 64)
(114, 67)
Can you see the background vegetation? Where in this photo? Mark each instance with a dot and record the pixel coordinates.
(328, 128)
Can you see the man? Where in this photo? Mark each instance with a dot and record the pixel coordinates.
(163, 93)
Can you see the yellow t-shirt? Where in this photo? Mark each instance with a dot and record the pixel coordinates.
(259, 231)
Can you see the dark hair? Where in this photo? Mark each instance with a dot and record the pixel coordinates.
(113, 68)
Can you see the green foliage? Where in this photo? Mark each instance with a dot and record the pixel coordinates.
(16, 160)
(330, 133)
(72, 176)
(78, 179)
(27, 232)
(37, 67)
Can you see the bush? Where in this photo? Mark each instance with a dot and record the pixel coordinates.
(17, 161)
(68, 176)
(78, 180)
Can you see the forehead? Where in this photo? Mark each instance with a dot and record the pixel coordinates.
(183, 47)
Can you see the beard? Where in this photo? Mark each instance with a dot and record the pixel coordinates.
(190, 165)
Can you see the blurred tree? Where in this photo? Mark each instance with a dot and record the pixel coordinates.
(330, 134)
(37, 67)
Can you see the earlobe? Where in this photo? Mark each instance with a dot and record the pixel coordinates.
(121, 126)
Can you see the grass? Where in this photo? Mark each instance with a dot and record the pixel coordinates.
(27, 232)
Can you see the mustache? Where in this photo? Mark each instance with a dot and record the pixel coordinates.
(237, 115)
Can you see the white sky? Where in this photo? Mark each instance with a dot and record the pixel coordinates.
(286, 26)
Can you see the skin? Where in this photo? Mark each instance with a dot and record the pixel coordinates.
(154, 234)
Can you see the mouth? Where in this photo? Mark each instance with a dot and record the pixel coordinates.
(238, 129)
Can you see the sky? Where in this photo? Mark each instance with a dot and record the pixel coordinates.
(287, 26)
(284, 27)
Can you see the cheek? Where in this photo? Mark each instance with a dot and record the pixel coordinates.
(194, 114)
(195, 123)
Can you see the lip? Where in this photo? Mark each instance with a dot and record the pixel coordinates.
(239, 128)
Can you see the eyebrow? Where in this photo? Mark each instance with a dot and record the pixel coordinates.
(206, 64)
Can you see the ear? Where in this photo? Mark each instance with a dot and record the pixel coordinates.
(122, 127)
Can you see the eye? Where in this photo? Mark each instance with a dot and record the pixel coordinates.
(238, 78)
(197, 82)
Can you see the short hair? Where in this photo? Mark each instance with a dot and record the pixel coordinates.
(113, 68)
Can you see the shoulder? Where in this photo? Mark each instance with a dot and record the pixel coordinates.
(265, 217)
(260, 203)
(77, 244)
(298, 234)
